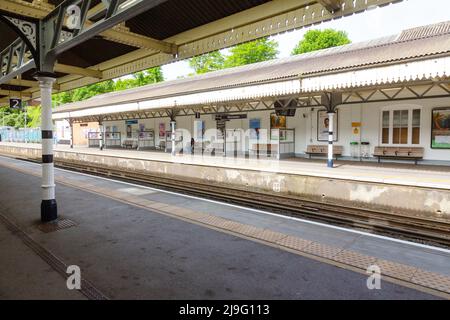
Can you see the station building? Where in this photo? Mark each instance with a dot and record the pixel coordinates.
(392, 92)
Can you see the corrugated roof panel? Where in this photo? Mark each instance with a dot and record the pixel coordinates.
(349, 57)
(425, 31)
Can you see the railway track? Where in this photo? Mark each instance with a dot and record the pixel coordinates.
(417, 229)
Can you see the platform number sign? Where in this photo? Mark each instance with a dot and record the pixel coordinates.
(15, 103)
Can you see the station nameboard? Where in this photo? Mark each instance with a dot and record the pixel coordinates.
(230, 116)
(131, 122)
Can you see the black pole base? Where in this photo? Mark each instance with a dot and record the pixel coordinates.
(49, 210)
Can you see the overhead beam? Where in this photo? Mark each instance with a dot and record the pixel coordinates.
(40, 9)
(274, 17)
(135, 8)
(27, 83)
(19, 71)
(27, 9)
(331, 5)
(23, 83)
(11, 93)
(86, 72)
(121, 35)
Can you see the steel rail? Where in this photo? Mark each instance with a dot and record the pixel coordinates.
(414, 228)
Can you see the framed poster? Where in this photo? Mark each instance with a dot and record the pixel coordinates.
(440, 128)
(129, 131)
(277, 122)
(323, 123)
(199, 129)
(162, 130)
(141, 130)
(254, 125)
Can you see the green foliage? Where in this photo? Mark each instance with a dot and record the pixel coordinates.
(16, 118)
(252, 52)
(242, 54)
(207, 62)
(34, 117)
(321, 39)
(138, 79)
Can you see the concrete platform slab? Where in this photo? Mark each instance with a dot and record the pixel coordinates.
(131, 252)
(398, 188)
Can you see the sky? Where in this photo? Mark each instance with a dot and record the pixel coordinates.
(372, 24)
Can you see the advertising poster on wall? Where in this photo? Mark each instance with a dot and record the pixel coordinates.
(440, 135)
(323, 124)
(254, 125)
(141, 130)
(199, 130)
(277, 122)
(162, 130)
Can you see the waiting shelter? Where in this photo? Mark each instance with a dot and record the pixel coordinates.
(383, 98)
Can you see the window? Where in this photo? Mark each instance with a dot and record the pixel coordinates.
(400, 127)
(416, 126)
(385, 128)
(400, 132)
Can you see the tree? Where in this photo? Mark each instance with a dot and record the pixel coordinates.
(207, 62)
(321, 39)
(242, 54)
(251, 52)
(138, 79)
(152, 75)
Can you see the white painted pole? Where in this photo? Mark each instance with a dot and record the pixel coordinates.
(173, 125)
(101, 135)
(330, 138)
(71, 133)
(48, 204)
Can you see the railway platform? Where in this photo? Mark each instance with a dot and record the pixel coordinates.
(395, 173)
(421, 190)
(136, 242)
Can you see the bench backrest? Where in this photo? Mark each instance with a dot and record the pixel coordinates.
(323, 149)
(416, 152)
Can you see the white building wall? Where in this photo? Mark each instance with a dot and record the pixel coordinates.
(369, 115)
(305, 125)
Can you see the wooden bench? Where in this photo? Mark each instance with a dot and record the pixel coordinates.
(130, 143)
(401, 153)
(323, 150)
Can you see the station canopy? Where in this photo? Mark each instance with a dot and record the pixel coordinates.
(119, 37)
(414, 64)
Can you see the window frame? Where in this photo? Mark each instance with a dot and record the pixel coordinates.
(410, 127)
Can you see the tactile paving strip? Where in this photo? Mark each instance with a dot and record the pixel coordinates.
(321, 250)
(395, 270)
(293, 243)
(431, 280)
(354, 259)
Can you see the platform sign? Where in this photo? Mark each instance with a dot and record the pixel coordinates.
(131, 122)
(15, 103)
(225, 117)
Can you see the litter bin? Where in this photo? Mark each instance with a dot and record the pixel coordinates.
(354, 149)
(365, 150)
